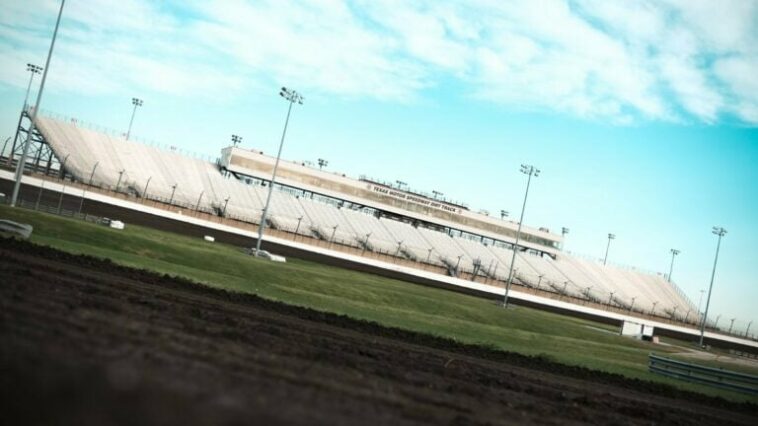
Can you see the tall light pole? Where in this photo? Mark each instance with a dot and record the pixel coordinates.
(33, 69)
(144, 193)
(674, 252)
(610, 237)
(197, 206)
(226, 203)
(700, 301)
(173, 191)
(504, 214)
(717, 230)
(25, 153)
(120, 175)
(564, 231)
(529, 171)
(292, 97)
(321, 162)
(236, 140)
(137, 103)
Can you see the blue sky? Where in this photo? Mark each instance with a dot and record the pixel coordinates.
(641, 115)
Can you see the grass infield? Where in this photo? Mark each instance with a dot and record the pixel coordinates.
(363, 296)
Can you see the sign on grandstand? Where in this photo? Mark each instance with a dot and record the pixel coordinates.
(422, 201)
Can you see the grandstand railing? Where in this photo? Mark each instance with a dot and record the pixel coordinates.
(120, 134)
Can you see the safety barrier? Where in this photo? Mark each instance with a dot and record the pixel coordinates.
(717, 377)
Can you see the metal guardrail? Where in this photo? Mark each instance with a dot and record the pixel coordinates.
(716, 377)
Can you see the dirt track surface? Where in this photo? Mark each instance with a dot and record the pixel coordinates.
(83, 341)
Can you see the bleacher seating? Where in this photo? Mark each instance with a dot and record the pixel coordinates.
(369, 228)
(411, 241)
(476, 252)
(327, 221)
(201, 185)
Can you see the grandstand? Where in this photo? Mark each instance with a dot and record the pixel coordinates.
(363, 214)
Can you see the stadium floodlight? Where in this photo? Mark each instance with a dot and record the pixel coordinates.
(60, 198)
(297, 228)
(564, 231)
(748, 327)
(730, 326)
(539, 280)
(84, 189)
(716, 324)
(429, 256)
(652, 310)
(565, 284)
(120, 175)
(33, 69)
(399, 245)
(144, 193)
(674, 252)
(632, 305)
(39, 195)
(226, 203)
(334, 231)
(137, 103)
(673, 314)
(687, 315)
(700, 301)
(400, 184)
(504, 214)
(92, 175)
(173, 191)
(529, 171)
(610, 299)
(437, 194)
(458, 263)
(197, 206)
(236, 140)
(22, 161)
(62, 169)
(293, 98)
(717, 230)
(322, 163)
(610, 237)
(147, 184)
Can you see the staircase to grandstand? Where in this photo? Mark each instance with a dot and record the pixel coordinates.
(137, 170)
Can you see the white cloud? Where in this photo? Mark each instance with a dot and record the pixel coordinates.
(316, 45)
(622, 61)
(106, 47)
(692, 88)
